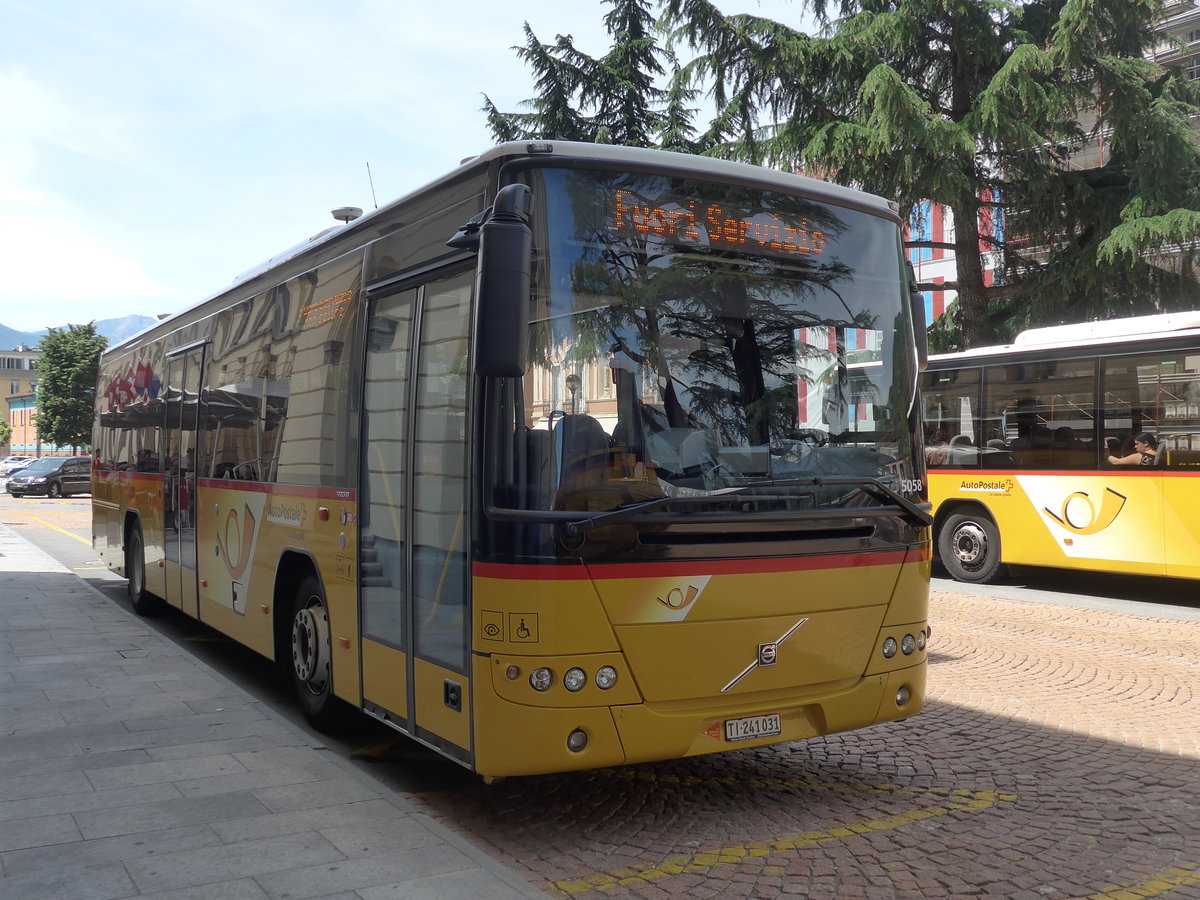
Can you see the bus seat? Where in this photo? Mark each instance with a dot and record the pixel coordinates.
(963, 454)
(581, 443)
(698, 451)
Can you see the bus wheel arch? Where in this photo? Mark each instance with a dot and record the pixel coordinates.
(968, 544)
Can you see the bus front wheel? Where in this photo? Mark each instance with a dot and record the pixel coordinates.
(969, 547)
(312, 653)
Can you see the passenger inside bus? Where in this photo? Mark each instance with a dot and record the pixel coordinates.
(1145, 448)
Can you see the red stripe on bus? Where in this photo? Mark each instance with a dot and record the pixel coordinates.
(283, 490)
(114, 475)
(555, 572)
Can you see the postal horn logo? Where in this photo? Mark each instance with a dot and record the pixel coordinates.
(677, 599)
(1079, 514)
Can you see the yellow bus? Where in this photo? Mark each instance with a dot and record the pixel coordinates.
(578, 456)
(1034, 458)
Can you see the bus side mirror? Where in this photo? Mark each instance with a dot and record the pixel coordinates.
(916, 300)
(502, 286)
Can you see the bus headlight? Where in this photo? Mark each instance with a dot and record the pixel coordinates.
(889, 647)
(606, 677)
(920, 640)
(541, 678)
(908, 644)
(574, 679)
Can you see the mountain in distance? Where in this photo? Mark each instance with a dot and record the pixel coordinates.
(116, 330)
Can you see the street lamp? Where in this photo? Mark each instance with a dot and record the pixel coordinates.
(573, 383)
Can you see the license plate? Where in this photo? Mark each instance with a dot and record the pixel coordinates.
(752, 727)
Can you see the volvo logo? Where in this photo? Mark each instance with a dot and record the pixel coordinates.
(767, 655)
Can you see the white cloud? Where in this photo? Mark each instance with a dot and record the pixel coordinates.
(59, 273)
(154, 150)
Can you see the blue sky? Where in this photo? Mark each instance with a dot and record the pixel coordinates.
(155, 149)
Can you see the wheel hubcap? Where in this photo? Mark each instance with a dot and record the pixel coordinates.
(970, 544)
(310, 646)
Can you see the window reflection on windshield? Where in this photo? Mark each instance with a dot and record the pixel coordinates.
(691, 338)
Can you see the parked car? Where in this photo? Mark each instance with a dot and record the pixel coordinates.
(10, 464)
(53, 476)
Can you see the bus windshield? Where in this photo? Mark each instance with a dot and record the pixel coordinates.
(695, 339)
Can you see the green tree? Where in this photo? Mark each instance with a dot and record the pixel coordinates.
(67, 384)
(6, 432)
(613, 99)
(983, 106)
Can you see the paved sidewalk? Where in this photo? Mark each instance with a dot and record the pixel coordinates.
(129, 769)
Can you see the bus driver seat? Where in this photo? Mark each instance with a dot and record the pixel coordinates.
(581, 447)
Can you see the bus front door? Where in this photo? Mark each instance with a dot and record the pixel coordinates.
(413, 580)
(182, 409)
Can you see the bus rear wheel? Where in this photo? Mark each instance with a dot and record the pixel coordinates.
(969, 547)
(312, 657)
(143, 602)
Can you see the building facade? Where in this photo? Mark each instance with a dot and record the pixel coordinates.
(19, 382)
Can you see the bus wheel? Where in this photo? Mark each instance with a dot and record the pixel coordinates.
(143, 602)
(969, 547)
(312, 655)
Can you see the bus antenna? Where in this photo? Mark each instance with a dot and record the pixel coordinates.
(372, 183)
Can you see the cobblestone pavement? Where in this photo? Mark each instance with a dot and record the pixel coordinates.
(1059, 757)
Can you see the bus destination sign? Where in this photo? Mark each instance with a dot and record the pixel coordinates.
(702, 223)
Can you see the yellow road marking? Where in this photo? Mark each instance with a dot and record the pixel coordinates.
(1155, 886)
(970, 801)
(56, 528)
(955, 800)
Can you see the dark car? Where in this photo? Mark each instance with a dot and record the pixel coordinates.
(54, 476)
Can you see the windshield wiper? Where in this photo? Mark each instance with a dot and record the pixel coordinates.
(575, 526)
(873, 485)
(580, 527)
(911, 511)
